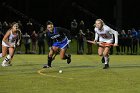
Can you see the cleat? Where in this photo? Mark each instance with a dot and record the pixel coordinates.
(4, 65)
(106, 66)
(103, 60)
(46, 66)
(69, 59)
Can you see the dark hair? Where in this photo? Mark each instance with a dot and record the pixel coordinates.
(49, 23)
(13, 23)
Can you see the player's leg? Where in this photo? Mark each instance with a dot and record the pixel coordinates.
(50, 55)
(4, 52)
(8, 57)
(63, 48)
(9, 63)
(12, 55)
(11, 52)
(106, 57)
(65, 56)
(100, 53)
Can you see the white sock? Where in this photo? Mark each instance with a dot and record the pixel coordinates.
(6, 60)
(106, 60)
(0, 55)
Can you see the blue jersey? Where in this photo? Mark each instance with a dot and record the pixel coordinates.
(58, 36)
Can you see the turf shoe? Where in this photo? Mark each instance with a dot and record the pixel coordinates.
(69, 59)
(4, 64)
(46, 66)
(106, 66)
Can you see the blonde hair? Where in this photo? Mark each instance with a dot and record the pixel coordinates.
(102, 22)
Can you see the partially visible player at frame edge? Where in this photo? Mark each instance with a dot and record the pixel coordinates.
(10, 40)
(61, 39)
(104, 34)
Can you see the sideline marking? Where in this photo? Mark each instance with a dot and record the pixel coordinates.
(41, 73)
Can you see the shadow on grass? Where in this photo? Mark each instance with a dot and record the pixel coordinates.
(126, 66)
(29, 64)
(83, 66)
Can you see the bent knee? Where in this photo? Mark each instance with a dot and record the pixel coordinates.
(50, 54)
(105, 54)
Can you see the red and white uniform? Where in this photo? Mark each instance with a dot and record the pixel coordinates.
(106, 34)
(12, 39)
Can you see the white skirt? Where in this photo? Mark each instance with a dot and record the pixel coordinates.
(4, 44)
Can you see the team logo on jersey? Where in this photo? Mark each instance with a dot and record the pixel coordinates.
(55, 36)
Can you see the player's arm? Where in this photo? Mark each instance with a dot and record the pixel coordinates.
(5, 38)
(116, 36)
(96, 38)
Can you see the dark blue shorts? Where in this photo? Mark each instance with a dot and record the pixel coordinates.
(63, 44)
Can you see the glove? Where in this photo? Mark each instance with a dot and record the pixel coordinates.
(69, 41)
(18, 43)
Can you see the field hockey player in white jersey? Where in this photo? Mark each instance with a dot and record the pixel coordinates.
(9, 42)
(104, 34)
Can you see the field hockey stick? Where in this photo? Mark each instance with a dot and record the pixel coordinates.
(55, 55)
(92, 42)
(89, 41)
(100, 43)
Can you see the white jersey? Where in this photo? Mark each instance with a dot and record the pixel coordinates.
(11, 39)
(106, 34)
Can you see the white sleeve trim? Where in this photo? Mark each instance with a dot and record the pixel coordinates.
(96, 36)
(115, 35)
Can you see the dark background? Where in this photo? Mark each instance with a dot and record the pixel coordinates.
(62, 12)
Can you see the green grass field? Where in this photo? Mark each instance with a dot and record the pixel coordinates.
(83, 75)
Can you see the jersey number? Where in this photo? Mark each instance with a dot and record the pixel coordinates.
(104, 36)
